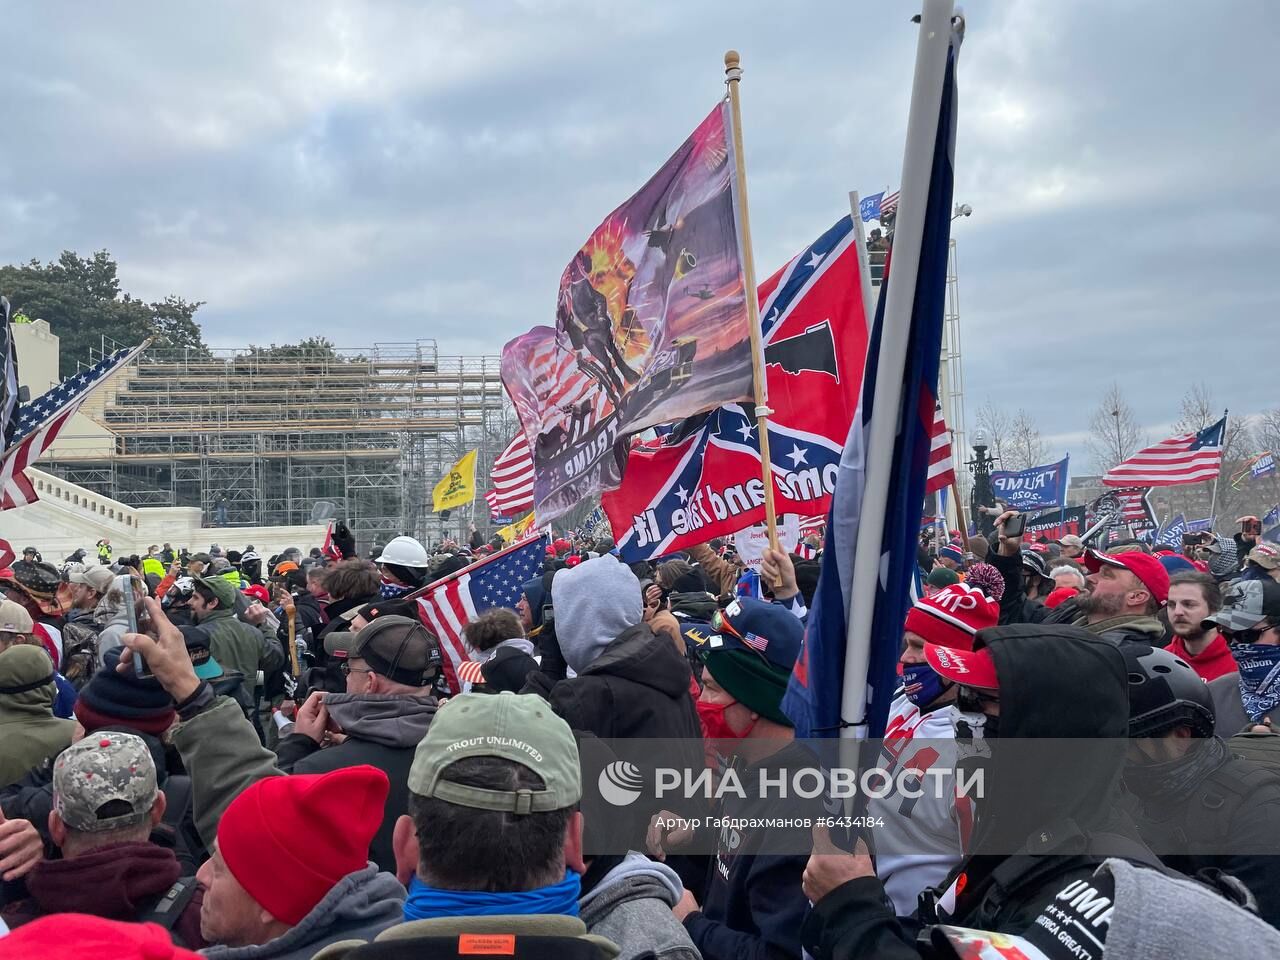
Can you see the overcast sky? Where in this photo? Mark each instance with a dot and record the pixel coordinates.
(387, 171)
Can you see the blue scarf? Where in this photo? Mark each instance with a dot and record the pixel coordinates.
(427, 903)
(390, 591)
(1259, 665)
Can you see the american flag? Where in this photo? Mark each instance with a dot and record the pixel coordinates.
(942, 467)
(756, 642)
(512, 478)
(889, 204)
(806, 552)
(496, 581)
(40, 422)
(561, 385)
(1189, 458)
(1133, 504)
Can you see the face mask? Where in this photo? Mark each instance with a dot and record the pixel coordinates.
(714, 724)
(389, 591)
(973, 733)
(1259, 665)
(922, 684)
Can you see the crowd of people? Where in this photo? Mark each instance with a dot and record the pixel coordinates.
(266, 757)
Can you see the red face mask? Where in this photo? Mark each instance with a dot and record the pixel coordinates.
(714, 725)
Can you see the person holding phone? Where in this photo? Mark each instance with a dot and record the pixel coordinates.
(1248, 537)
(1024, 572)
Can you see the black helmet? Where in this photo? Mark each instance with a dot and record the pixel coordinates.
(1164, 693)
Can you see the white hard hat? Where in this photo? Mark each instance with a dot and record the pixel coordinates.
(404, 552)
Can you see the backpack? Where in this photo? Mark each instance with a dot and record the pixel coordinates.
(168, 909)
(79, 651)
(1262, 749)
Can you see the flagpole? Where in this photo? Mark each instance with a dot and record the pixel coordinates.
(1213, 500)
(733, 74)
(864, 259)
(933, 39)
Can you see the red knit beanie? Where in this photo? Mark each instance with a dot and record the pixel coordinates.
(68, 935)
(289, 840)
(952, 616)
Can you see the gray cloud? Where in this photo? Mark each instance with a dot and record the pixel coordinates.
(389, 171)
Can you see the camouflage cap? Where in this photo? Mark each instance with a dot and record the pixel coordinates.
(104, 767)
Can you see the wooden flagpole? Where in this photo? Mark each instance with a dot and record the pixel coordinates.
(733, 74)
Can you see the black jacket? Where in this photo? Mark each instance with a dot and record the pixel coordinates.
(1230, 822)
(382, 731)
(1060, 804)
(639, 686)
(753, 905)
(1014, 605)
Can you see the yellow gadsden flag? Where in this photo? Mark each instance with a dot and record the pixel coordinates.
(458, 486)
(514, 531)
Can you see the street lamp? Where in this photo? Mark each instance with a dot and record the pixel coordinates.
(982, 495)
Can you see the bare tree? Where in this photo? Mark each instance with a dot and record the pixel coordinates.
(1113, 430)
(995, 423)
(1024, 447)
(1197, 410)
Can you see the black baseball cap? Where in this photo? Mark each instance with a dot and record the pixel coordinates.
(398, 648)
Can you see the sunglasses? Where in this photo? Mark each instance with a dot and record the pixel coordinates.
(347, 669)
(1244, 636)
(971, 701)
(720, 624)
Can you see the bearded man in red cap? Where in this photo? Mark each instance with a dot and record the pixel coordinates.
(1125, 592)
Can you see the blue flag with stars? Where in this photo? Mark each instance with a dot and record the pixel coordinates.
(817, 696)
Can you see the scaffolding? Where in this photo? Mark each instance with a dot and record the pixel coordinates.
(273, 437)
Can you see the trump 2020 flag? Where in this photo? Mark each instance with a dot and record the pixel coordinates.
(1035, 488)
(869, 207)
(816, 694)
(652, 312)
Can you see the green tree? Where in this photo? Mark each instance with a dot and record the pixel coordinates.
(312, 348)
(81, 300)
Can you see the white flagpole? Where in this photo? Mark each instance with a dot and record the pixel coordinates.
(917, 163)
(864, 258)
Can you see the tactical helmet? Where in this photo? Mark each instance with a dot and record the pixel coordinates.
(1164, 693)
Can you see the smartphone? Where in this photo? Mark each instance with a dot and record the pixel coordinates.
(1014, 526)
(140, 667)
(1251, 526)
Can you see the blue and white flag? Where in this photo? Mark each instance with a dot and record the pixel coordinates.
(1035, 488)
(816, 693)
(869, 207)
(1264, 465)
(1171, 535)
(1272, 517)
(1200, 526)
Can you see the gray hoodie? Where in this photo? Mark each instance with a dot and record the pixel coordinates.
(359, 907)
(631, 905)
(111, 614)
(392, 720)
(1158, 916)
(595, 602)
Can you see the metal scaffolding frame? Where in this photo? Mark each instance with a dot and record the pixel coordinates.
(275, 440)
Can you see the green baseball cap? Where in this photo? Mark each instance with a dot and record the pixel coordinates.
(220, 588)
(104, 767)
(521, 728)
